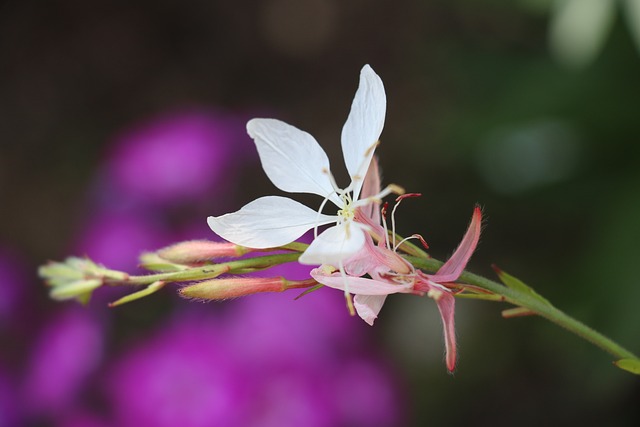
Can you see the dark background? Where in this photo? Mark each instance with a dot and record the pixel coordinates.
(479, 111)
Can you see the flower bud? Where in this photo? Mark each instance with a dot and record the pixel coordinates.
(76, 278)
(79, 289)
(200, 250)
(220, 289)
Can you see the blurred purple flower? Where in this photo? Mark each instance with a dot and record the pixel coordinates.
(313, 331)
(175, 158)
(185, 376)
(267, 361)
(291, 398)
(117, 239)
(12, 285)
(9, 413)
(81, 419)
(315, 367)
(366, 394)
(65, 353)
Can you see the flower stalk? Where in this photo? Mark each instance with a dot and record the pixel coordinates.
(356, 252)
(76, 278)
(521, 299)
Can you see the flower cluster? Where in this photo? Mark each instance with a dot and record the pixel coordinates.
(356, 252)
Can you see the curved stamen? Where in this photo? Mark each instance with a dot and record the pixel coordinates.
(389, 189)
(347, 295)
(337, 190)
(315, 227)
(413, 236)
(401, 197)
(383, 216)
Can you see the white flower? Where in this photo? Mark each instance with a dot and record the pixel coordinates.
(296, 163)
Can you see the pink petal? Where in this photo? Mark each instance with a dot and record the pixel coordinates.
(359, 285)
(452, 269)
(362, 216)
(372, 187)
(446, 305)
(368, 306)
(363, 261)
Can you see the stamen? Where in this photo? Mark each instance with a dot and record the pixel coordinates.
(407, 195)
(347, 295)
(400, 198)
(392, 188)
(336, 191)
(383, 216)
(332, 180)
(414, 236)
(352, 309)
(371, 148)
(315, 227)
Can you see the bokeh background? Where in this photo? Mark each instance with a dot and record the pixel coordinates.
(122, 128)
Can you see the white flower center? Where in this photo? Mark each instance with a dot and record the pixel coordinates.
(348, 211)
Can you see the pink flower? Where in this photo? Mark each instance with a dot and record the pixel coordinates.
(389, 273)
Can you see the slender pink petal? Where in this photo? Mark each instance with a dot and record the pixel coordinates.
(452, 269)
(359, 285)
(368, 306)
(374, 227)
(446, 305)
(372, 187)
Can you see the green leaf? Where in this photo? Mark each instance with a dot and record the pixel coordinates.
(308, 291)
(518, 285)
(152, 288)
(630, 365)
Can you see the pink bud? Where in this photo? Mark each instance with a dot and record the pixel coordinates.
(220, 289)
(200, 250)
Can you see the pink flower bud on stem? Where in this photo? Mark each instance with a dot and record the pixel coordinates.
(195, 251)
(221, 289)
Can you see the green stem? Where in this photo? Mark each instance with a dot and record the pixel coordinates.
(521, 299)
(209, 271)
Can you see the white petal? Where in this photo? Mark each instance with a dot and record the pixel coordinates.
(335, 245)
(292, 159)
(363, 126)
(359, 285)
(368, 306)
(267, 222)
